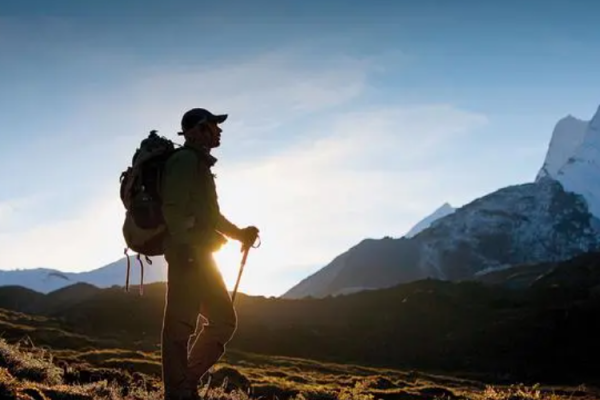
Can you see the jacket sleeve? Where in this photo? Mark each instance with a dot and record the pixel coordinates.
(227, 227)
(180, 174)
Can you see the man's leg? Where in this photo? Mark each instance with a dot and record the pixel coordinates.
(217, 309)
(181, 311)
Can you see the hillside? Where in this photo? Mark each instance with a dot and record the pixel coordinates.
(430, 325)
(89, 368)
(31, 373)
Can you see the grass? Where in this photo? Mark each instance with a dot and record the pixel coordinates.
(29, 373)
(39, 360)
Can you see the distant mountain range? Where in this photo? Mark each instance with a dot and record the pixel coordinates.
(551, 219)
(46, 280)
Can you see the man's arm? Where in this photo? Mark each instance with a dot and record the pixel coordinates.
(179, 177)
(228, 228)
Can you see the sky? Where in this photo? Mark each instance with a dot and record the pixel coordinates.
(346, 120)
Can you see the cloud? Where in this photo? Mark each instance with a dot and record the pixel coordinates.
(305, 159)
(261, 94)
(88, 238)
(371, 176)
(18, 214)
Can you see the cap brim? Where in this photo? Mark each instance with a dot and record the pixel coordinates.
(219, 119)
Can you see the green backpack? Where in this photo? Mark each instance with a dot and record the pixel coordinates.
(143, 228)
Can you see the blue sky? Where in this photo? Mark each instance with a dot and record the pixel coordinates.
(346, 120)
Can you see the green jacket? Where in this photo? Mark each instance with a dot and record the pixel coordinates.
(190, 203)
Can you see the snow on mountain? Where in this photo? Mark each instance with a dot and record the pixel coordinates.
(567, 136)
(581, 172)
(518, 224)
(46, 280)
(442, 211)
(551, 219)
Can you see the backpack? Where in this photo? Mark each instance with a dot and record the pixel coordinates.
(143, 228)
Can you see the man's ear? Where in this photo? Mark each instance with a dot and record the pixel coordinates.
(205, 133)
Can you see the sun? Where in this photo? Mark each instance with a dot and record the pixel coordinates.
(228, 259)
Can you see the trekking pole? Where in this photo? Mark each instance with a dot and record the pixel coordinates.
(246, 250)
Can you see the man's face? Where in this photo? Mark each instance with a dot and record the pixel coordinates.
(214, 134)
(208, 133)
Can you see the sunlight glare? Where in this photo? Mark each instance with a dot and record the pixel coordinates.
(228, 259)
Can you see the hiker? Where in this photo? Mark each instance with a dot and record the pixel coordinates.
(195, 288)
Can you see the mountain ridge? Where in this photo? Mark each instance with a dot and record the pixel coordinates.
(46, 280)
(440, 212)
(550, 219)
(580, 172)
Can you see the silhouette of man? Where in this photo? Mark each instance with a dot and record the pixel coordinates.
(195, 290)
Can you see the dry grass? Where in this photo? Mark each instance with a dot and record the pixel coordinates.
(30, 373)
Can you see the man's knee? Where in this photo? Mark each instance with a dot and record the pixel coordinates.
(225, 327)
(176, 328)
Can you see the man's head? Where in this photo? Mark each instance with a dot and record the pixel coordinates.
(201, 126)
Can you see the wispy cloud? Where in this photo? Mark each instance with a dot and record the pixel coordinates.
(261, 94)
(87, 238)
(304, 159)
(258, 93)
(370, 175)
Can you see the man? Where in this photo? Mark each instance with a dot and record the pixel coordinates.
(196, 228)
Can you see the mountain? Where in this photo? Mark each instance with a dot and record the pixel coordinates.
(515, 225)
(442, 211)
(548, 220)
(567, 136)
(46, 280)
(580, 173)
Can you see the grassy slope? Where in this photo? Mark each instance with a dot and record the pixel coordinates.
(80, 367)
(546, 331)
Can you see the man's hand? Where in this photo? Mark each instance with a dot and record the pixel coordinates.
(248, 236)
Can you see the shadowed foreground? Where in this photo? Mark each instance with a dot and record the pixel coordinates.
(30, 373)
(422, 340)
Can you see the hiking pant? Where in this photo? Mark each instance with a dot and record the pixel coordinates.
(199, 320)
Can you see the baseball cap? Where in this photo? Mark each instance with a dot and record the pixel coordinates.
(198, 115)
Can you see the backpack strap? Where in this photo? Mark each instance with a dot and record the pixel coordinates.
(128, 270)
(141, 274)
(128, 274)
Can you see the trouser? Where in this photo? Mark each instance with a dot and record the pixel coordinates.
(199, 320)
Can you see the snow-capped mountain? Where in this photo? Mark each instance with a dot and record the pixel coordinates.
(442, 211)
(515, 225)
(551, 219)
(567, 136)
(580, 172)
(46, 280)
